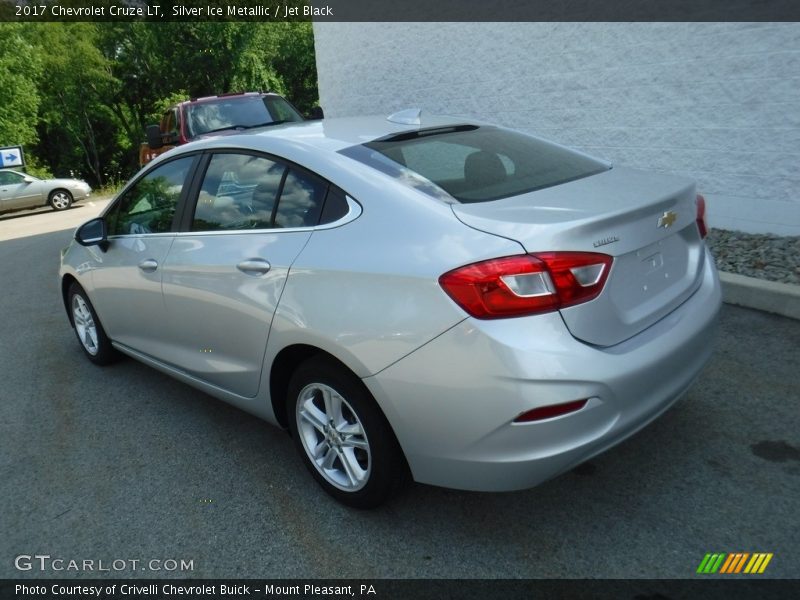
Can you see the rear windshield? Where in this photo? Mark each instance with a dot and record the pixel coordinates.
(238, 112)
(474, 164)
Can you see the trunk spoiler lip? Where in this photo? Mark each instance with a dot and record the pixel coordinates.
(543, 221)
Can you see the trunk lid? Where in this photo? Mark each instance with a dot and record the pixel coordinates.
(620, 212)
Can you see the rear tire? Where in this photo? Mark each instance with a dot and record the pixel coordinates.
(342, 436)
(91, 335)
(60, 199)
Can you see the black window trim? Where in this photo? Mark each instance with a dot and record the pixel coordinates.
(278, 194)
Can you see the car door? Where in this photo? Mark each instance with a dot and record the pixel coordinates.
(15, 192)
(224, 275)
(126, 277)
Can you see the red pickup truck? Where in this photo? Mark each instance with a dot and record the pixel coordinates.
(198, 117)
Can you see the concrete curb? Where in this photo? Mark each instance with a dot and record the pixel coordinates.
(769, 296)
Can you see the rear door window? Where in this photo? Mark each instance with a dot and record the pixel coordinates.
(247, 191)
(239, 191)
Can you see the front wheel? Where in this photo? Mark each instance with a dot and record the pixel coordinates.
(342, 436)
(90, 332)
(60, 200)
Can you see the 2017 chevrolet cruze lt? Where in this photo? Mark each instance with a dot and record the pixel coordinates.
(460, 302)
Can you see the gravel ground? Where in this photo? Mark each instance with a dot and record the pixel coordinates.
(765, 256)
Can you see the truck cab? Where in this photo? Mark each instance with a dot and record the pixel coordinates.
(200, 117)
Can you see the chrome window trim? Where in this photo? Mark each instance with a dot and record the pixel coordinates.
(354, 211)
(128, 236)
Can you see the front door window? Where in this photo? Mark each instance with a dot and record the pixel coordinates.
(149, 206)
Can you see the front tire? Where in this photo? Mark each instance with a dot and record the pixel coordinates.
(342, 436)
(91, 335)
(60, 199)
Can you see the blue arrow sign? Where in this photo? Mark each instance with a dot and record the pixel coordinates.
(11, 156)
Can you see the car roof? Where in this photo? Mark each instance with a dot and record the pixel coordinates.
(326, 134)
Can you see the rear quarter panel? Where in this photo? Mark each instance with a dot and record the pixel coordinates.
(368, 292)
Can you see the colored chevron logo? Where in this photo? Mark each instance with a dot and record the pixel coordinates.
(734, 563)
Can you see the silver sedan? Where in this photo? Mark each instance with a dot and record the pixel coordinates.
(20, 190)
(458, 303)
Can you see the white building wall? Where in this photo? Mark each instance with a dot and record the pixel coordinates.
(719, 102)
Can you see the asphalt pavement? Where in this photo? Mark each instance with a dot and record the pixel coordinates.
(125, 464)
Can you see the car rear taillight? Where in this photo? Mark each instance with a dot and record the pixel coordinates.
(527, 284)
(701, 216)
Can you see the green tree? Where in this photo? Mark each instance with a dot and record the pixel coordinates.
(79, 95)
(296, 64)
(156, 61)
(20, 68)
(77, 130)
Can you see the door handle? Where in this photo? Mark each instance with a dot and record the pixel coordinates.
(254, 266)
(149, 265)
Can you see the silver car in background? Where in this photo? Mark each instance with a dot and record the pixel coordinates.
(458, 302)
(20, 190)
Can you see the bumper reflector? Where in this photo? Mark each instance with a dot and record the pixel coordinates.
(548, 412)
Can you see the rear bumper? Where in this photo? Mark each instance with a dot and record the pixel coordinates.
(452, 402)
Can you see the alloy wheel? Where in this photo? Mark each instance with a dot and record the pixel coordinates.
(333, 437)
(84, 325)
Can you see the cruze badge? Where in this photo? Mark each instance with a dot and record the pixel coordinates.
(607, 240)
(667, 219)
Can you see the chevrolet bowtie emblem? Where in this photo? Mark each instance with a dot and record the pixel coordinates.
(667, 219)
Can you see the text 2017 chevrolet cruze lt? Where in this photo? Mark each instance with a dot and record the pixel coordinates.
(460, 302)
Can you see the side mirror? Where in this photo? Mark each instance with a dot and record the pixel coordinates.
(316, 114)
(93, 233)
(28, 179)
(153, 133)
